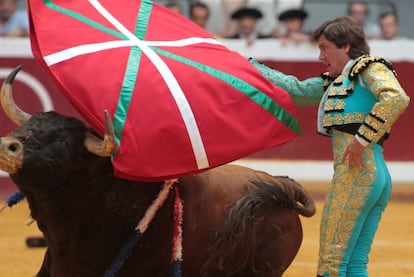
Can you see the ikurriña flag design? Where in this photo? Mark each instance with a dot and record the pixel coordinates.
(180, 101)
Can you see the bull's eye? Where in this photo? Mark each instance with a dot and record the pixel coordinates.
(13, 147)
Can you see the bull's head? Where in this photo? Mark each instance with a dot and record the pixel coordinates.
(46, 145)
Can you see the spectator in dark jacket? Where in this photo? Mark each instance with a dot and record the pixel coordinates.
(246, 24)
(291, 29)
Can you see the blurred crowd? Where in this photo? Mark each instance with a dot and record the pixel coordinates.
(241, 20)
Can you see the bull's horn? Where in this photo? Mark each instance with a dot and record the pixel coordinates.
(105, 147)
(18, 116)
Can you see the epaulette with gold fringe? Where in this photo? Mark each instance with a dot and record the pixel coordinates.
(364, 61)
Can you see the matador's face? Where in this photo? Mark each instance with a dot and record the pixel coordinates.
(332, 56)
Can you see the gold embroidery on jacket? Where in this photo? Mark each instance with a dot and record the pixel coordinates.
(334, 105)
(337, 120)
(392, 101)
(377, 76)
(339, 80)
(338, 91)
(330, 120)
(373, 122)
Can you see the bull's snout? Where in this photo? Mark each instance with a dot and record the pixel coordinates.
(11, 154)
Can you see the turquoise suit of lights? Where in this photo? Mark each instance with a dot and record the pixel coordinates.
(364, 100)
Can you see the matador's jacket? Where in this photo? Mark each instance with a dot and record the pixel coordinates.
(364, 101)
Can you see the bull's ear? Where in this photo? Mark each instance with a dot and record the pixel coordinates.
(105, 147)
(18, 116)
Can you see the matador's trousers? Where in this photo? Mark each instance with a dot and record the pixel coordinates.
(353, 207)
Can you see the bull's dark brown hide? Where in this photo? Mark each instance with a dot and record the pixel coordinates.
(237, 221)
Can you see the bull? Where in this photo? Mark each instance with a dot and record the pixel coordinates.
(237, 221)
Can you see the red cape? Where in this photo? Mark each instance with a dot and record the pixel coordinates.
(180, 101)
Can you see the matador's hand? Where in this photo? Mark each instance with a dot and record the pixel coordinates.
(354, 153)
